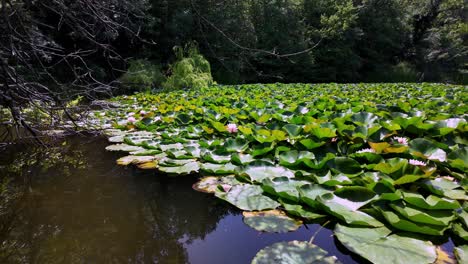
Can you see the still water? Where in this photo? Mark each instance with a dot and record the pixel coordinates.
(72, 204)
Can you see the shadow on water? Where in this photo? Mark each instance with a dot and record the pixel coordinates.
(72, 204)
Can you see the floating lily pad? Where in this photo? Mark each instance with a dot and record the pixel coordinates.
(134, 160)
(248, 198)
(292, 252)
(258, 171)
(124, 147)
(273, 221)
(378, 246)
(461, 253)
(188, 168)
(210, 184)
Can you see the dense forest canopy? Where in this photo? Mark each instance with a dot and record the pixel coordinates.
(52, 51)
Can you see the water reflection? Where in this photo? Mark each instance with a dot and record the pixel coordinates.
(72, 204)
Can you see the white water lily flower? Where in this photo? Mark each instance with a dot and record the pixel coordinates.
(102, 114)
(142, 112)
(130, 114)
(417, 162)
(156, 119)
(232, 128)
(401, 140)
(366, 150)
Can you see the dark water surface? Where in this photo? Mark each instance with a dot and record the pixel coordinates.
(74, 205)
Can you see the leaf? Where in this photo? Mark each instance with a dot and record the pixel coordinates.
(248, 198)
(216, 158)
(378, 246)
(432, 217)
(210, 184)
(242, 159)
(430, 202)
(444, 187)
(311, 144)
(236, 145)
(123, 147)
(293, 252)
(461, 252)
(272, 221)
(459, 159)
(218, 169)
(293, 130)
(257, 171)
(460, 231)
(345, 165)
(424, 148)
(283, 187)
(188, 168)
(134, 160)
(219, 127)
(310, 192)
(323, 132)
(347, 209)
(401, 223)
(294, 157)
(300, 211)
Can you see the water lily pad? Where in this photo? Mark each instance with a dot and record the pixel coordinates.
(272, 221)
(301, 211)
(210, 184)
(248, 198)
(460, 230)
(283, 187)
(188, 168)
(461, 253)
(257, 171)
(124, 147)
(347, 210)
(430, 202)
(432, 217)
(294, 157)
(292, 252)
(310, 192)
(400, 222)
(378, 246)
(134, 160)
(424, 148)
(218, 169)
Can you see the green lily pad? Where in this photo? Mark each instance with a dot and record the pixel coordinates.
(310, 192)
(257, 171)
(459, 159)
(378, 246)
(210, 184)
(283, 187)
(294, 157)
(124, 147)
(461, 253)
(432, 217)
(218, 169)
(347, 210)
(424, 148)
(431, 202)
(134, 160)
(345, 165)
(248, 198)
(402, 223)
(292, 252)
(301, 211)
(272, 221)
(460, 230)
(188, 168)
(236, 145)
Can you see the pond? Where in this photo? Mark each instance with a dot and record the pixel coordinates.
(73, 204)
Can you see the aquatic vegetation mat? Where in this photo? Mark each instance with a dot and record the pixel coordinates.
(386, 162)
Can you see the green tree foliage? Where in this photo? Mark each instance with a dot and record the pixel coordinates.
(368, 40)
(191, 70)
(143, 75)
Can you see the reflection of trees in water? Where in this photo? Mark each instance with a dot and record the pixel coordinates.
(82, 208)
